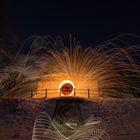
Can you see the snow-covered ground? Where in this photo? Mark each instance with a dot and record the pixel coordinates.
(121, 116)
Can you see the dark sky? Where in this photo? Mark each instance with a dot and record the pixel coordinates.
(91, 22)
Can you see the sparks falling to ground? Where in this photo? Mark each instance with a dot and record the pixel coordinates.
(45, 128)
(44, 63)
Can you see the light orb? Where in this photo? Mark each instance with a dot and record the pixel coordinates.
(66, 88)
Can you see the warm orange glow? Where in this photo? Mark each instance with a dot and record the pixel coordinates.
(66, 88)
(54, 83)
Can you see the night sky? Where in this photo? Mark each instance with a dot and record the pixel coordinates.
(91, 22)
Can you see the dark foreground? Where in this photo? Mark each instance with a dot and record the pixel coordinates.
(121, 116)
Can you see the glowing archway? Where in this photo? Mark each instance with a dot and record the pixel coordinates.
(66, 88)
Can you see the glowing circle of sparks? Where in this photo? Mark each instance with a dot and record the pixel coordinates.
(66, 88)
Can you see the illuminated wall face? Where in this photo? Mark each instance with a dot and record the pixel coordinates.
(60, 86)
